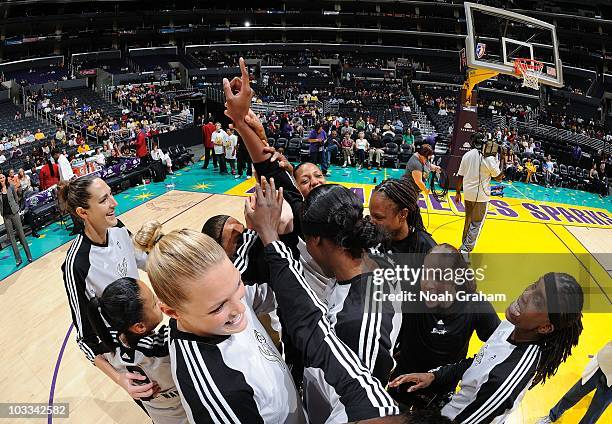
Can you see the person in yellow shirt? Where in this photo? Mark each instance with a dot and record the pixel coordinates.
(39, 135)
(531, 170)
(83, 148)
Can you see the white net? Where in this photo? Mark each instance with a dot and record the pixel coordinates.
(531, 71)
(531, 80)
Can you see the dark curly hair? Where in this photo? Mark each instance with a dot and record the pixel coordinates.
(336, 213)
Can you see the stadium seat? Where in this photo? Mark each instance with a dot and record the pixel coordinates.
(186, 152)
(404, 155)
(281, 142)
(563, 178)
(292, 151)
(304, 150)
(586, 181)
(571, 176)
(390, 157)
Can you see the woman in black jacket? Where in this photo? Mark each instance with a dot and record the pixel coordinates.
(9, 207)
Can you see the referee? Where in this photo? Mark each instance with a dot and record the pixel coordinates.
(477, 168)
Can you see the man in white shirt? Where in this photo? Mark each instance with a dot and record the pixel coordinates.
(218, 138)
(474, 174)
(65, 169)
(66, 174)
(230, 149)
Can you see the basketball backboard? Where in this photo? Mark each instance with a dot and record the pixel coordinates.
(496, 37)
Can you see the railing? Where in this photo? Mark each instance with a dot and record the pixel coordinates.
(271, 107)
(330, 107)
(553, 133)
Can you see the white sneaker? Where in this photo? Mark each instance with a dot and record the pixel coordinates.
(544, 420)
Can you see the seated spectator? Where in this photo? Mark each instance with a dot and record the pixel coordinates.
(27, 162)
(2, 157)
(509, 159)
(360, 124)
(408, 138)
(100, 158)
(158, 154)
(531, 170)
(346, 129)
(347, 149)
(39, 135)
(34, 179)
(375, 152)
(46, 150)
(60, 136)
(24, 180)
(83, 148)
(398, 125)
(388, 130)
(361, 147)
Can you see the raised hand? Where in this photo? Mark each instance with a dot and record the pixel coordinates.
(238, 105)
(265, 215)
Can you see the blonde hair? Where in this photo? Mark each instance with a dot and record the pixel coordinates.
(175, 259)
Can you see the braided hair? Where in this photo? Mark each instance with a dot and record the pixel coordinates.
(567, 320)
(405, 196)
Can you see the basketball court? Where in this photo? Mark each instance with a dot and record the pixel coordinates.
(41, 362)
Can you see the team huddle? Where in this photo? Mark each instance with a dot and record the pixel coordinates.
(277, 322)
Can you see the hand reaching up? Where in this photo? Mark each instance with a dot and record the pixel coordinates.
(264, 214)
(238, 104)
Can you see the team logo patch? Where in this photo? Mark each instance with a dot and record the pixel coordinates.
(267, 351)
(122, 267)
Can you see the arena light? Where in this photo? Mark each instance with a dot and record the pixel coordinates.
(247, 24)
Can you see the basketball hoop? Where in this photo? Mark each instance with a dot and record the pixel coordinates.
(531, 70)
